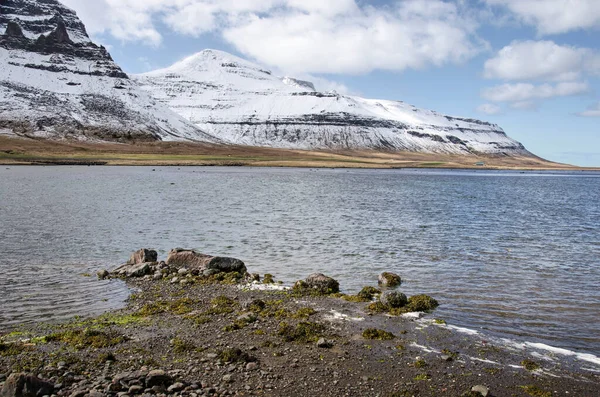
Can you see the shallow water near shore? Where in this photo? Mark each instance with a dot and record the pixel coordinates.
(513, 254)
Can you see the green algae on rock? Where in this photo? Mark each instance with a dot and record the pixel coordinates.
(377, 334)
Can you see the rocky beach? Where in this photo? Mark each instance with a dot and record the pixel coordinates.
(199, 325)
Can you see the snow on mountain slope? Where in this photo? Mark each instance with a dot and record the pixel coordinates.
(243, 103)
(55, 82)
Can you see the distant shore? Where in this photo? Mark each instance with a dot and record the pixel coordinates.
(27, 151)
(216, 334)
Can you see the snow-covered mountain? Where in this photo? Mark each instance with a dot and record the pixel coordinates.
(244, 103)
(55, 82)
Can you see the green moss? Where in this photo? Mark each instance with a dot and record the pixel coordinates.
(378, 334)
(420, 363)
(377, 307)
(180, 306)
(451, 354)
(181, 345)
(104, 357)
(422, 377)
(353, 298)
(268, 279)
(530, 365)
(439, 321)
(13, 349)
(303, 332)
(368, 292)
(81, 339)
(221, 305)
(421, 303)
(535, 391)
(304, 313)
(235, 356)
(258, 332)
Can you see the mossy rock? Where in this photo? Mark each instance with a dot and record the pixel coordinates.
(535, 391)
(368, 293)
(316, 284)
(530, 365)
(421, 303)
(377, 307)
(303, 332)
(234, 355)
(268, 279)
(387, 279)
(377, 334)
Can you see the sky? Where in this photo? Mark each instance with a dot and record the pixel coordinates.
(530, 66)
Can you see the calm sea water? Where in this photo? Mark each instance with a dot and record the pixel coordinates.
(515, 254)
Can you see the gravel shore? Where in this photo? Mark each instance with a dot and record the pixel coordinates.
(212, 336)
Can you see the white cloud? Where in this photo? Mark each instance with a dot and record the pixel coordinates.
(554, 16)
(303, 36)
(524, 105)
(489, 108)
(592, 111)
(525, 92)
(546, 60)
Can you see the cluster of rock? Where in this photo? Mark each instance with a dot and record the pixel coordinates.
(181, 263)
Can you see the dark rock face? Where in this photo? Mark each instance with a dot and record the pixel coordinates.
(23, 385)
(28, 21)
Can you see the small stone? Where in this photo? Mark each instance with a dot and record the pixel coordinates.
(174, 280)
(103, 274)
(324, 343)
(175, 387)
(157, 276)
(481, 389)
(251, 366)
(183, 271)
(135, 389)
(228, 378)
(447, 358)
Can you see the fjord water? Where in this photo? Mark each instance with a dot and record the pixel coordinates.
(513, 254)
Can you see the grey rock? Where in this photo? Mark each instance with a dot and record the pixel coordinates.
(387, 279)
(393, 299)
(251, 366)
(446, 358)
(23, 385)
(322, 283)
(78, 393)
(143, 255)
(174, 280)
(138, 270)
(481, 389)
(103, 274)
(193, 260)
(95, 393)
(227, 378)
(175, 387)
(183, 271)
(157, 276)
(135, 389)
(324, 343)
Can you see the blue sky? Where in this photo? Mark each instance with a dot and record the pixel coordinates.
(531, 66)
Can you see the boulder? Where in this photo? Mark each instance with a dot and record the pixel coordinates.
(158, 377)
(139, 270)
(143, 255)
(23, 385)
(13, 29)
(387, 279)
(196, 261)
(394, 299)
(322, 283)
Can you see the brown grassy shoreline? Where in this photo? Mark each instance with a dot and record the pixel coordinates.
(27, 151)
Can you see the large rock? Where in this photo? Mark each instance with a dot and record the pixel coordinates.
(23, 385)
(158, 377)
(394, 299)
(143, 255)
(139, 270)
(193, 260)
(387, 279)
(322, 283)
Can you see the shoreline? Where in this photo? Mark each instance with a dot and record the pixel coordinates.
(27, 151)
(221, 334)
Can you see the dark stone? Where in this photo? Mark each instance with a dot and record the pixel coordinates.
(23, 385)
(13, 29)
(322, 283)
(394, 299)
